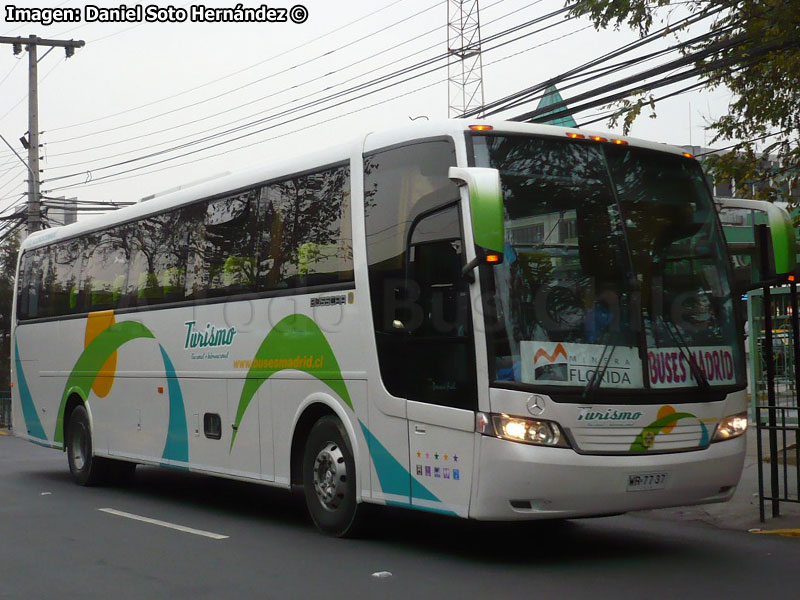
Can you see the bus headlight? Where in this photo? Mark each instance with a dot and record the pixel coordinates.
(730, 427)
(522, 429)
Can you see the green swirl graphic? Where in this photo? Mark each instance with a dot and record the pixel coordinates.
(296, 342)
(645, 440)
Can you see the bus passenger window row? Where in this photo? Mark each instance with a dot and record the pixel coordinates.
(288, 234)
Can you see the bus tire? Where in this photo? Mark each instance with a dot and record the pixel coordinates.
(329, 478)
(86, 469)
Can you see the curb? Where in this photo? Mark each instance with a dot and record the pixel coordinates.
(781, 532)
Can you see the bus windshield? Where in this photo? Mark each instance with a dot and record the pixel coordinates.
(615, 273)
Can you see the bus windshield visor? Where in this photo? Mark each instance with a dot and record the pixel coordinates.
(615, 272)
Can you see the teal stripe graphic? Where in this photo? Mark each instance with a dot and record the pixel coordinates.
(32, 422)
(177, 444)
(394, 478)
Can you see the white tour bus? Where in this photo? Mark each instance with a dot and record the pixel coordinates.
(498, 321)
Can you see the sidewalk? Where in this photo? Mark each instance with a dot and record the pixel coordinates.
(741, 512)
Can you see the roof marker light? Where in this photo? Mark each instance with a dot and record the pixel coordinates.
(481, 127)
(687, 155)
(576, 136)
(620, 142)
(597, 138)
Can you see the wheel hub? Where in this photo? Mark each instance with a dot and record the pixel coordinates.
(78, 439)
(330, 476)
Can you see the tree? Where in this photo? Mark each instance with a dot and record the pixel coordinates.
(9, 248)
(753, 50)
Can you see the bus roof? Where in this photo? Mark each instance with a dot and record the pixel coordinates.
(264, 172)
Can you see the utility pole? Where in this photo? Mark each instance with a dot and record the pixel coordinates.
(465, 74)
(31, 44)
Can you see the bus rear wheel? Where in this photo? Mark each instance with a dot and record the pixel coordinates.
(329, 478)
(85, 468)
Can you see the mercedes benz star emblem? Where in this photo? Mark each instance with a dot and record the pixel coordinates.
(536, 405)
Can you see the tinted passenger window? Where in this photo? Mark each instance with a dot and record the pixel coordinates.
(29, 289)
(225, 251)
(65, 261)
(158, 265)
(308, 224)
(420, 302)
(104, 277)
(290, 234)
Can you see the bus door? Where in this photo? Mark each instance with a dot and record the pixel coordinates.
(442, 388)
(423, 328)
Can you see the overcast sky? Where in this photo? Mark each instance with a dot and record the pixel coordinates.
(143, 88)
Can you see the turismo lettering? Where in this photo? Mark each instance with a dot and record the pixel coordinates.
(209, 338)
(589, 413)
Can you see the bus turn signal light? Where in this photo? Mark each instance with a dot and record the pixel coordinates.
(492, 258)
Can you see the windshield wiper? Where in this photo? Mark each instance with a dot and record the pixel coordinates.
(597, 376)
(683, 348)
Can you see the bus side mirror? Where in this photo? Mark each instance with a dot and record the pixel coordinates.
(780, 249)
(487, 212)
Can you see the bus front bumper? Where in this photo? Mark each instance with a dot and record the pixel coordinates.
(519, 481)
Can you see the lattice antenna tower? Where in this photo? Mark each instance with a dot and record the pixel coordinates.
(465, 67)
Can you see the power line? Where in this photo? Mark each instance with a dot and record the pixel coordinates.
(279, 92)
(41, 81)
(10, 31)
(618, 112)
(249, 116)
(16, 175)
(750, 141)
(32, 44)
(115, 178)
(746, 55)
(215, 145)
(202, 149)
(329, 98)
(13, 66)
(234, 108)
(587, 66)
(17, 197)
(326, 54)
(230, 91)
(231, 109)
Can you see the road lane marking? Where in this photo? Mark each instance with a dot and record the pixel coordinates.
(119, 513)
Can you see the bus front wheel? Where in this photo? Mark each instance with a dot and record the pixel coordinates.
(329, 478)
(85, 468)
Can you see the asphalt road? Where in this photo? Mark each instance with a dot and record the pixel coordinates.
(57, 542)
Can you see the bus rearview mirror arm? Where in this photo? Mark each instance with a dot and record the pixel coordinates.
(467, 269)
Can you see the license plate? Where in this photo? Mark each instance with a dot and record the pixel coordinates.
(640, 482)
